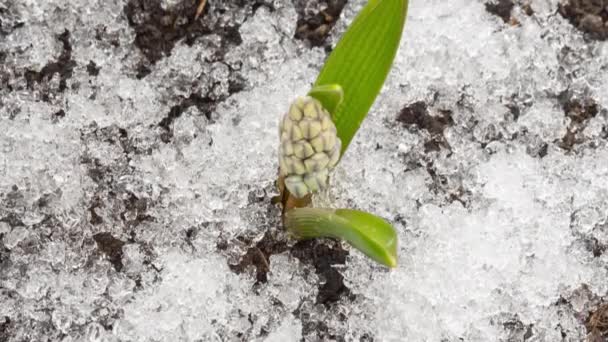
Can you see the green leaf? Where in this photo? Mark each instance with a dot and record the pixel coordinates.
(330, 96)
(361, 61)
(370, 234)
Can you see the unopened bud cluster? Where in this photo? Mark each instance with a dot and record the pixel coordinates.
(309, 147)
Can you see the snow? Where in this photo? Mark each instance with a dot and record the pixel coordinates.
(498, 240)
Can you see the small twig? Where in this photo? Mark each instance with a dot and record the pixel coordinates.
(263, 258)
(200, 9)
(598, 324)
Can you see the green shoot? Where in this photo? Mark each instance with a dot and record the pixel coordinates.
(370, 234)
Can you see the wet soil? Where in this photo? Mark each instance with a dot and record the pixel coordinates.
(589, 16)
(314, 26)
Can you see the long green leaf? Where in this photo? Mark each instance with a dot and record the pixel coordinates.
(361, 61)
(370, 234)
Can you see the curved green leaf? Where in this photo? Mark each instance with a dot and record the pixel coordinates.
(361, 61)
(330, 96)
(370, 234)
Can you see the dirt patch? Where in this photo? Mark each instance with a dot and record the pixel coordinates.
(93, 69)
(504, 9)
(579, 111)
(314, 25)
(591, 310)
(12, 199)
(135, 211)
(314, 330)
(110, 39)
(5, 255)
(5, 327)
(58, 115)
(417, 115)
(514, 327)
(63, 66)
(111, 207)
(323, 255)
(258, 256)
(501, 8)
(540, 152)
(589, 16)
(595, 247)
(527, 8)
(10, 19)
(11, 218)
(205, 105)
(451, 188)
(597, 324)
(111, 247)
(593, 240)
(158, 29)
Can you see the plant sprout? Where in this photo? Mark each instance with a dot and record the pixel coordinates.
(317, 129)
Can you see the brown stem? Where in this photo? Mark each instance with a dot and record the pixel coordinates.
(288, 200)
(200, 8)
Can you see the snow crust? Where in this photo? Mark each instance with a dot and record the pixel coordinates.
(498, 241)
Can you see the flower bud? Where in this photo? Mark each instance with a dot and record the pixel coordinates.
(309, 147)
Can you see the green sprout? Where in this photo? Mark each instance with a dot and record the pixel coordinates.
(312, 145)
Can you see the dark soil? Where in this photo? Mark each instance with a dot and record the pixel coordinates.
(579, 111)
(102, 35)
(588, 238)
(9, 19)
(204, 104)
(4, 255)
(527, 8)
(258, 256)
(318, 330)
(5, 326)
(58, 115)
(451, 188)
(63, 66)
(321, 254)
(541, 151)
(112, 209)
(158, 30)
(591, 309)
(315, 27)
(595, 247)
(111, 247)
(515, 328)
(597, 324)
(93, 69)
(417, 115)
(501, 8)
(589, 16)
(504, 9)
